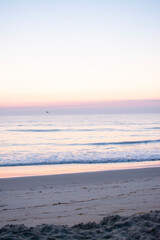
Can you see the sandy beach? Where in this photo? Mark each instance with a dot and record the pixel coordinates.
(69, 199)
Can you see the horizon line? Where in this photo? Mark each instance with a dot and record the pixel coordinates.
(100, 103)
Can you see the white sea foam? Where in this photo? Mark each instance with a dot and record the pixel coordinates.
(50, 139)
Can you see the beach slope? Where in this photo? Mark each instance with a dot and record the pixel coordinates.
(74, 198)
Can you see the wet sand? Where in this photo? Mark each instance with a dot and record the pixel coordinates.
(81, 197)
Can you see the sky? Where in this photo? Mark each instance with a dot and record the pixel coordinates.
(70, 52)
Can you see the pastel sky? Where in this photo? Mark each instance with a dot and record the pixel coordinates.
(54, 52)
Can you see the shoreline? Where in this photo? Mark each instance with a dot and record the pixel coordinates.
(46, 170)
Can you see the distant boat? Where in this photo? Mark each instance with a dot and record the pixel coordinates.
(46, 112)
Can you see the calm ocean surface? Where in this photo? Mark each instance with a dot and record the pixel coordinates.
(63, 139)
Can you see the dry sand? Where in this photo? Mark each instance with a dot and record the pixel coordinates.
(142, 226)
(70, 199)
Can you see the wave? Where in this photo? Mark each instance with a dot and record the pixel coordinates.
(63, 162)
(84, 144)
(68, 130)
(155, 128)
(117, 143)
(81, 129)
(35, 130)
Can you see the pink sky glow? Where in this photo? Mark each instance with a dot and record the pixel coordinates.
(90, 107)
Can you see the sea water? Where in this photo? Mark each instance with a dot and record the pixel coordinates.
(64, 139)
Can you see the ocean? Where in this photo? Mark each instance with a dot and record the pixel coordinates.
(68, 139)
